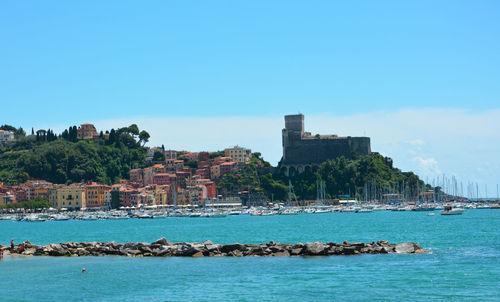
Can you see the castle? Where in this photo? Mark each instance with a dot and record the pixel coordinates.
(301, 149)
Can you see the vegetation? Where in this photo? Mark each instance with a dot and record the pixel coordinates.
(358, 177)
(65, 159)
(39, 204)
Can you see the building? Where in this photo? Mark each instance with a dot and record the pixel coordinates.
(215, 171)
(301, 149)
(210, 185)
(159, 168)
(239, 154)
(227, 167)
(86, 131)
(95, 194)
(147, 176)
(136, 176)
(203, 172)
(6, 137)
(164, 179)
(203, 156)
(71, 197)
(170, 154)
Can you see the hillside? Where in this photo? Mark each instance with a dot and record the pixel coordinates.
(366, 176)
(109, 158)
(65, 159)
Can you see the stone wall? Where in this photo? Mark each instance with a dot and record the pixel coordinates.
(301, 149)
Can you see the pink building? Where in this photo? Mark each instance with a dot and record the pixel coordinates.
(164, 179)
(227, 167)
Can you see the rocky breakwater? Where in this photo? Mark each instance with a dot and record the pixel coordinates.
(164, 248)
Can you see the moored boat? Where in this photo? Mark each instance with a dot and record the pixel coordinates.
(449, 210)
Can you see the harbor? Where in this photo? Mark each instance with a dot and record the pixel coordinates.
(154, 212)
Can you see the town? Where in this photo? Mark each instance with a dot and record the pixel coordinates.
(167, 181)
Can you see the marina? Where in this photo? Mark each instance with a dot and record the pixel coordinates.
(277, 209)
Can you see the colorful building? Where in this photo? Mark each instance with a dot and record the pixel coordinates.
(71, 197)
(95, 194)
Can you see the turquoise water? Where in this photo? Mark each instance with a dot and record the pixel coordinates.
(464, 263)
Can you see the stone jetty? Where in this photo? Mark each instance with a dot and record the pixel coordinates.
(164, 248)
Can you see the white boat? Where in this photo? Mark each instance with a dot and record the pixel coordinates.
(365, 211)
(449, 210)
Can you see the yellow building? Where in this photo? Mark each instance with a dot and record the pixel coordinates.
(239, 154)
(215, 171)
(71, 197)
(162, 194)
(95, 194)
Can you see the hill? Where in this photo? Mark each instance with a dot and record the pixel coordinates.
(363, 176)
(64, 159)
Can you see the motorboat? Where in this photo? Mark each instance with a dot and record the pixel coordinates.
(449, 210)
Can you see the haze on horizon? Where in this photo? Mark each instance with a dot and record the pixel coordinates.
(421, 79)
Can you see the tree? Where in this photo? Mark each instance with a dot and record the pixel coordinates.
(133, 129)
(158, 156)
(144, 138)
(8, 128)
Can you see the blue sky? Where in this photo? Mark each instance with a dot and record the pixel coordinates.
(70, 62)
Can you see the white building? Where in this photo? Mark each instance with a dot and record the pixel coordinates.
(6, 136)
(239, 154)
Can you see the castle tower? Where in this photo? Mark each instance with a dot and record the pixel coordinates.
(301, 149)
(294, 130)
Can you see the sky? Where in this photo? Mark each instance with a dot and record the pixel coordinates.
(420, 78)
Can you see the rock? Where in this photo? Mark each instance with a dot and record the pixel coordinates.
(314, 248)
(284, 253)
(232, 247)
(184, 250)
(276, 249)
(405, 248)
(235, 253)
(383, 242)
(418, 249)
(161, 241)
(145, 249)
(212, 247)
(357, 244)
(349, 250)
(163, 248)
(134, 253)
(29, 251)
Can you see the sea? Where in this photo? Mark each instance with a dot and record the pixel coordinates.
(463, 263)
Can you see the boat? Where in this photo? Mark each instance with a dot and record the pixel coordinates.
(449, 210)
(364, 210)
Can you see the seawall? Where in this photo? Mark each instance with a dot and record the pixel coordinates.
(164, 248)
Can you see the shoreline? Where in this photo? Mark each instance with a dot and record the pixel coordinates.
(164, 248)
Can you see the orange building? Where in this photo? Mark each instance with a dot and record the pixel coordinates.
(95, 194)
